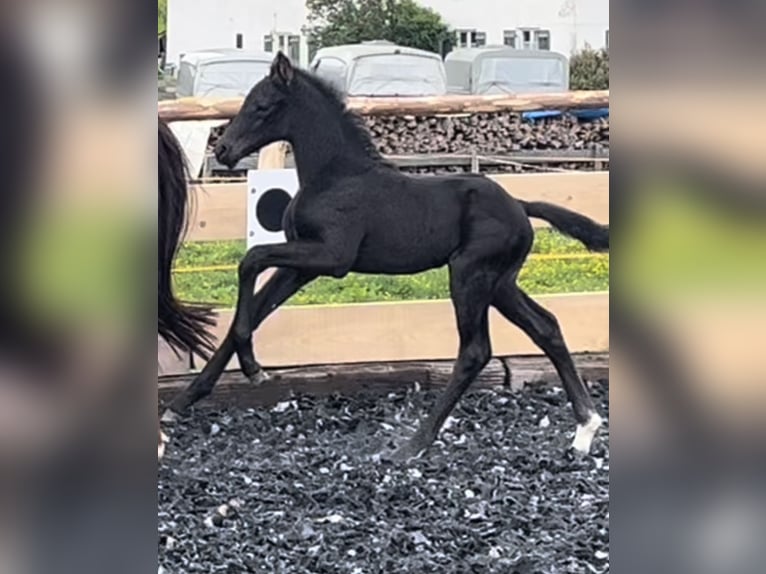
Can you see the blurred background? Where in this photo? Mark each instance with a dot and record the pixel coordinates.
(77, 244)
(687, 294)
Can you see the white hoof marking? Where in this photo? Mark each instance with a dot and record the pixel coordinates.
(169, 417)
(585, 433)
(161, 445)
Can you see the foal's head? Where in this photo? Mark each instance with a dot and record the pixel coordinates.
(263, 118)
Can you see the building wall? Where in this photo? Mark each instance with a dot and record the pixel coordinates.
(203, 24)
(572, 23)
(200, 24)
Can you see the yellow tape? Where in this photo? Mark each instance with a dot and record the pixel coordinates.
(534, 256)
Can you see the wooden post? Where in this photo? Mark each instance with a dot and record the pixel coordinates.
(273, 156)
(474, 161)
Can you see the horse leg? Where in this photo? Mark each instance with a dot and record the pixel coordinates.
(543, 328)
(260, 308)
(280, 287)
(471, 287)
(306, 258)
(163, 439)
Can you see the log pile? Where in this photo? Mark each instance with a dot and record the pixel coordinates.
(486, 133)
(497, 133)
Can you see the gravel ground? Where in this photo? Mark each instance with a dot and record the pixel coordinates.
(302, 487)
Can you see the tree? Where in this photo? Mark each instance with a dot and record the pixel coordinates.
(589, 70)
(404, 22)
(162, 16)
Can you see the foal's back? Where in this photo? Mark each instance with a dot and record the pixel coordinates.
(415, 223)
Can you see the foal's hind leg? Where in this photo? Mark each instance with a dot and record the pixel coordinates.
(471, 286)
(543, 329)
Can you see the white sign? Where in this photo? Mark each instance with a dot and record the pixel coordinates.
(268, 193)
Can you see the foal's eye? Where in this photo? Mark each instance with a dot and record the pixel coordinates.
(263, 109)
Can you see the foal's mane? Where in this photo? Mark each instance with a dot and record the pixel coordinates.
(353, 126)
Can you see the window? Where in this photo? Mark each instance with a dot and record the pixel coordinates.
(289, 44)
(294, 48)
(509, 38)
(534, 39)
(239, 42)
(526, 41)
(228, 79)
(520, 75)
(185, 82)
(312, 49)
(607, 40)
(542, 39)
(397, 75)
(332, 71)
(471, 38)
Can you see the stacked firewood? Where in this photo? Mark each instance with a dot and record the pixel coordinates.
(494, 133)
(489, 133)
(498, 133)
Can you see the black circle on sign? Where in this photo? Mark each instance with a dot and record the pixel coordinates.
(271, 208)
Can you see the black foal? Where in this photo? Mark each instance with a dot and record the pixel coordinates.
(356, 212)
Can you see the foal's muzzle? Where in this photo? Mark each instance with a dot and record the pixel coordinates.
(223, 153)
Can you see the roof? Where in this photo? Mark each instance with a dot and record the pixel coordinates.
(225, 55)
(348, 52)
(471, 54)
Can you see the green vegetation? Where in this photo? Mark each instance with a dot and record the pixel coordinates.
(589, 70)
(682, 243)
(537, 277)
(404, 22)
(162, 16)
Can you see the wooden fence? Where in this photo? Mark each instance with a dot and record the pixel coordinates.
(209, 109)
(402, 331)
(406, 331)
(220, 208)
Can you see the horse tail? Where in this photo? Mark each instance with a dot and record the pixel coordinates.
(592, 234)
(185, 327)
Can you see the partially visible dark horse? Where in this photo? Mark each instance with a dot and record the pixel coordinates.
(356, 212)
(184, 327)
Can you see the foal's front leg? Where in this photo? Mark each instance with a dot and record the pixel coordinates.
(310, 258)
(280, 287)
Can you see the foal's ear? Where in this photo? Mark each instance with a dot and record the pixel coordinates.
(282, 70)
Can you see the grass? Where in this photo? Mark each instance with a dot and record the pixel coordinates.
(537, 276)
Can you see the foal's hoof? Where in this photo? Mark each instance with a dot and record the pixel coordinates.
(585, 433)
(259, 377)
(163, 440)
(170, 416)
(408, 452)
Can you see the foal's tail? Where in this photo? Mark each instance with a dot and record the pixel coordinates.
(183, 326)
(593, 235)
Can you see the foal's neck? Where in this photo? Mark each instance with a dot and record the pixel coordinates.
(321, 143)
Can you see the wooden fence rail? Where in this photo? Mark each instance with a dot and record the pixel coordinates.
(220, 208)
(209, 109)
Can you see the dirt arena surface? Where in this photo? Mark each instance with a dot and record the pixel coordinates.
(305, 486)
